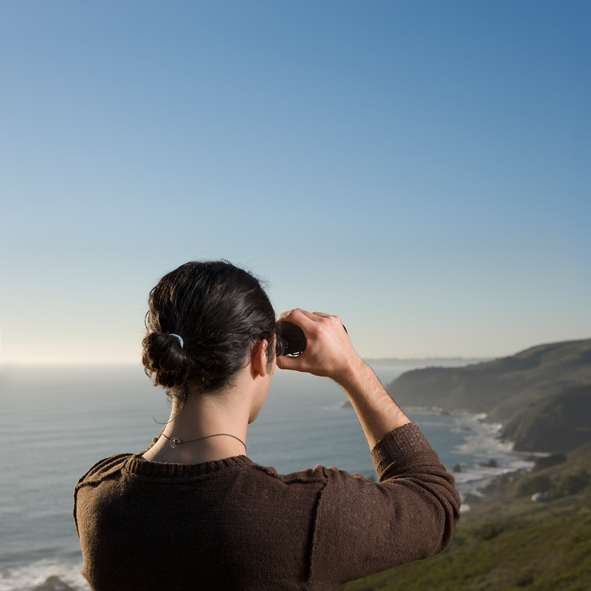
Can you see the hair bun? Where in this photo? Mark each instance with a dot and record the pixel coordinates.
(166, 359)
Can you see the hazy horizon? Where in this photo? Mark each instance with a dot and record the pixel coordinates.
(448, 361)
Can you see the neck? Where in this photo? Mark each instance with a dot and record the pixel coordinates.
(191, 426)
(227, 411)
(174, 441)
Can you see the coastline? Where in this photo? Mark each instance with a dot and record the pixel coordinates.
(486, 461)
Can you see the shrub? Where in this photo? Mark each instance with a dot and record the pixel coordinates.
(529, 485)
(487, 531)
(548, 461)
(571, 484)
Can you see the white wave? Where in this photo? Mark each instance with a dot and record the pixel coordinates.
(491, 456)
(29, 576)
(481, 438)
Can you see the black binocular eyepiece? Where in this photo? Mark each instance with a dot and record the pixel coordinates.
(291, 339)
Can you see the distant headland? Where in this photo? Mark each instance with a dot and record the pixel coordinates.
(425, 361)
(541, 395)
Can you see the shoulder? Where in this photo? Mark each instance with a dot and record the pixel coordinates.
(318, 474)
(104, 468)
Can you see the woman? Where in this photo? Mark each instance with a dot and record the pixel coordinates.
(193, 512)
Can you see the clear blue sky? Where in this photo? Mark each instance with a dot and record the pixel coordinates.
(420, 168)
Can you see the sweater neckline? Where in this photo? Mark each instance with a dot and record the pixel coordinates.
(138, 465)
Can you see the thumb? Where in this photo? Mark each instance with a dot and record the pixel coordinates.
(285, 362)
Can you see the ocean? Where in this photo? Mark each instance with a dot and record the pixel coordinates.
(58, 421)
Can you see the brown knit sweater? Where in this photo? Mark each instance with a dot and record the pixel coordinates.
(234, 525)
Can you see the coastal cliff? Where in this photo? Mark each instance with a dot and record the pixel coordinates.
(542, 394)
(559, 422)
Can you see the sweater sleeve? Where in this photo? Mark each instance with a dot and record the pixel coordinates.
(363, 527)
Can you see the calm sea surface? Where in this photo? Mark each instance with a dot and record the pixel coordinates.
(56, 422)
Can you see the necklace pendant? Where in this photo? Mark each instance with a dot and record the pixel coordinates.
(174, 441)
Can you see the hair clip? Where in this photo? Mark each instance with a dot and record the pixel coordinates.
(179, 338)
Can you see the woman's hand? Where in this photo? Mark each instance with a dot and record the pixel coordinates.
(329, 351)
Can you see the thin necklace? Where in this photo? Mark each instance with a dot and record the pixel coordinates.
(174, 441)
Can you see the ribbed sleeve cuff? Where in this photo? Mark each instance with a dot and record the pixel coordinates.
(397, 444)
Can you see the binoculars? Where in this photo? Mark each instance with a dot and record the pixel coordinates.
(291, 339)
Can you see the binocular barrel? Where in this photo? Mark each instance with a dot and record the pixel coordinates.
(291, 339)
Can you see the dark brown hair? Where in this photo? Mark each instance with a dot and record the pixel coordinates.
(219, 311)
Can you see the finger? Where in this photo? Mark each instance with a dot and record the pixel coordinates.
(298, 316)
(310, 315)
(283, 315)
(290, 363)
(331, 317)
(323, 315)
(289, 314)
(335, 319)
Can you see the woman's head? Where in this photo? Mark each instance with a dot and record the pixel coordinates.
(219, 311)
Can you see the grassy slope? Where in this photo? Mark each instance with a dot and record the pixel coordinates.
(510, 543)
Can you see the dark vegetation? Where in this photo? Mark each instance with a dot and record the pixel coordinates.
(510, 542)
(547, 461)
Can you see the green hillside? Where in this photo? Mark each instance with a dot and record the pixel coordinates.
(511, 543)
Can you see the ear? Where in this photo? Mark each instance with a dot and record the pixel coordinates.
(259, 358)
